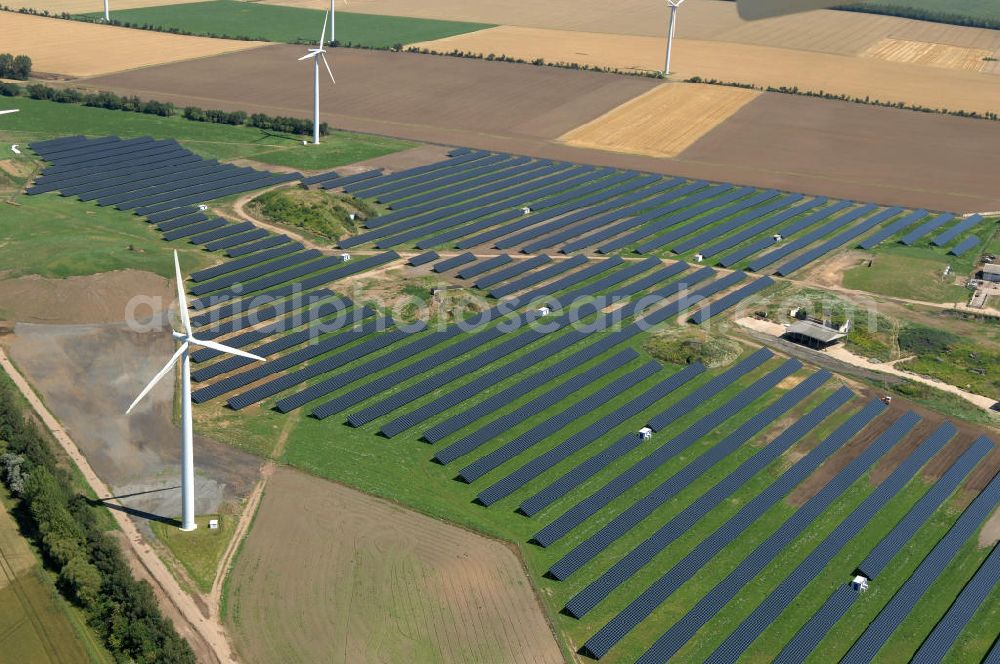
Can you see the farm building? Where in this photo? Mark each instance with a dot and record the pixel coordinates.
(990, 273)
(812, 334)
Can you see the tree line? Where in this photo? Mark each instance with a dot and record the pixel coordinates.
(133, 104)
(92, 572)
(17, 67)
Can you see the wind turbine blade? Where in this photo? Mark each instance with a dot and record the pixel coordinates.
(226, 349)
(13, 110)
(326, 18)
(330, 71)
(163, 372)
(181, 298)
(307, 56)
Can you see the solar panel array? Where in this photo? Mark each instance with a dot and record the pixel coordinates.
(471, 387)
(965, 245)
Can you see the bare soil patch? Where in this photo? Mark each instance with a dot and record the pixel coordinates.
(930, 54)
(330, 574)
(101, 49)
(99, 298)
(663, 122)
(84, 6)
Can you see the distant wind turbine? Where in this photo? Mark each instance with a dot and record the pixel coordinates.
(673, 4)
(333, 28)
(317, 54)
(187, 339)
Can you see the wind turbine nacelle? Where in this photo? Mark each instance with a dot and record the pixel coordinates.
(751, 10)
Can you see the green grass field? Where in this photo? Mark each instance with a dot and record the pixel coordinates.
(39, 120)
(230, 18)
(201, 550)
(985, 10)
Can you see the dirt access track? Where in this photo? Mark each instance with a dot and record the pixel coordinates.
(801, 144)
(378, 582)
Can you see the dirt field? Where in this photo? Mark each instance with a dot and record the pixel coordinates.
(330, 574)
(663, 122)
(101, 298)
(760, 65)
(781, 141)
(101, 49)
(84, 6)
(929, 54)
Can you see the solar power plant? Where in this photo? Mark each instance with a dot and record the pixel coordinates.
(630, 476)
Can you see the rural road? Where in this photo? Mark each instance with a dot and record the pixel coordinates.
(209, 642)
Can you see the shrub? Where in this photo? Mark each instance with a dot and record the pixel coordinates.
(17, 67)
(10, 90)
(923, 340)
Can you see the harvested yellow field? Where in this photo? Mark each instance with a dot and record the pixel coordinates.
(933, 87)
(85, 6)
(929, 54)
(622, 52)
(663, 122)
(74, 49)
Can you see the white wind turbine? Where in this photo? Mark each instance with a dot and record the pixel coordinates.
(673, 4)
(317, 54)
(107, 16)
(187, 339)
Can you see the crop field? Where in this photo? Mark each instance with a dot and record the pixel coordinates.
(36, 624)
(379, 583)
(663, 122)
(538, 415)
(931, 55)
(101, 49)
(776, 141)
(80, 6)
(231, 18)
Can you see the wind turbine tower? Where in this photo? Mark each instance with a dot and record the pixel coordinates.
(317, 54)
(107, 16)
(183, 354)
(673, 4)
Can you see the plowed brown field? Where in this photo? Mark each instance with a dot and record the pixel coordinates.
(663, 122)
(328, 574)
(74, 49)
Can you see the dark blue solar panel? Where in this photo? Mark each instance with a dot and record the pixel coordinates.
(895, 227)
(965, 245)
(817, 560)
(547, 399)
(717, 214)
(201, 180)
(177, 222)
(247, 261)
(390, 183)
(731, 300)
(146, 179)
(221, 232)
(738, 221)
(888, 620)
(272, 241)
(260, 268)
(556, 422)
(956, 230)
(697, 203)
(188, 230)
(626, 566)
(761, 262)
(786, 232)
(425, 258)
(713, 602)
(537, 277)
(639, 510)
(808, 638)
(568, 299)
(237, 239)
(453, 262)
(836, 242)
(586, 508)
(466, 178)
(484, 266)
(340, 181)
(315, 301)
(258, 181)
(511, 272)
(170, 214)
(607, 188)
(768, 223)
(926, 228)
(686, 568)
(576, 442)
